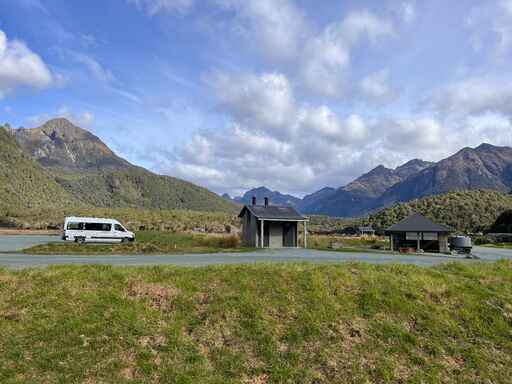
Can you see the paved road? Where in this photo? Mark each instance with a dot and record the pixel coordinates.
(18, 261)
(18, 242)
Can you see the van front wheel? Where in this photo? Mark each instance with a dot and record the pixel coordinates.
(80, 240)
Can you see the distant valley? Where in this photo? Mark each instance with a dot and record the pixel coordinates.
(484, 167)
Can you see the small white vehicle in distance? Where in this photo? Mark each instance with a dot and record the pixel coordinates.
(95, 230)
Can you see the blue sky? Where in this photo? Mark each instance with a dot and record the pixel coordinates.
(291, 94)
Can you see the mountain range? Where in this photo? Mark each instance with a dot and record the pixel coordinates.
(64, 162)
(484, 167)
(60, 164)
(260, 193)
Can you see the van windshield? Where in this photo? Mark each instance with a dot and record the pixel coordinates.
(119, 228)
(75, 226)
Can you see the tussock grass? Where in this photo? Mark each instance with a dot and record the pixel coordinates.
(341, 243)
(148, 242)
(349, 323)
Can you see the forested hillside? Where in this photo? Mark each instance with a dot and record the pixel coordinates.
(90, 171)
(25, 184)
(469, 211)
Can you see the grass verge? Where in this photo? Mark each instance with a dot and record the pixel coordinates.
(350, 323)
(498, 245)
(347, 244)
(147, 242)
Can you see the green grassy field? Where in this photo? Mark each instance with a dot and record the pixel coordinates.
(348, 323)
(347, 244)
(148, 242)
(498, 245)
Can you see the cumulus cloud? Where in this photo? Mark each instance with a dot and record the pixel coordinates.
(327, 57)
(21, 67)
(275, 27)
(298, 148)
(152, 7)
(473, 96)
(82, 119)
(376, 88)
(272, 138)
(324, 150)
(425, 133)
(283, 125)
(280, 33)
(264, 102)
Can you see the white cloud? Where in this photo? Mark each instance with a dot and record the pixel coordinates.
(407, 11)
(21, 67)
(491, 27)
(294, 147)
(473, 96)
(274, 27)
(487, 128)
(94, 68)
(280, 33)
(264, 102)
(82, 119)
(424, 133)
(327, 58)
(376, 88)
(152, 7)
(273, 139)
(324, 122)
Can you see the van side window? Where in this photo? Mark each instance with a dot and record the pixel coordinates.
(119, 228)
(98, 227)
(75, 226)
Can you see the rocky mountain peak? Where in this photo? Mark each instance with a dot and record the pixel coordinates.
(411, 168)
(61, 144)
(63, 129)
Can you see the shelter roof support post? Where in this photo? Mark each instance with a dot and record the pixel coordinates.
(297, 235)
(305, 234)
(418, 244)
(391, 248)
(262, 234)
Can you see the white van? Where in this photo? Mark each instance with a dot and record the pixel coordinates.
(95, 230)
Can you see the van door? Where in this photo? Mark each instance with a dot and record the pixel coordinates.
(99, 232)
(119, 232)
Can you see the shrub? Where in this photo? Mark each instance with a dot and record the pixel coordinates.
(228, 242)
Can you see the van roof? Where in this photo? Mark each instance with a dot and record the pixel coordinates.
(90, 219)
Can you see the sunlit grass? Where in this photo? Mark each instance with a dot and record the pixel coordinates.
(148, 242)
(348, 323)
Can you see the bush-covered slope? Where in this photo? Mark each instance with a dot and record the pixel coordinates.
(257, 324)
(23, 183)
(470, 211)
(136, 187)
(94, 174)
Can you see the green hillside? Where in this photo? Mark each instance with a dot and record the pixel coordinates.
(470, 211)
(135, 187)
(94, 174)
(23, 183)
